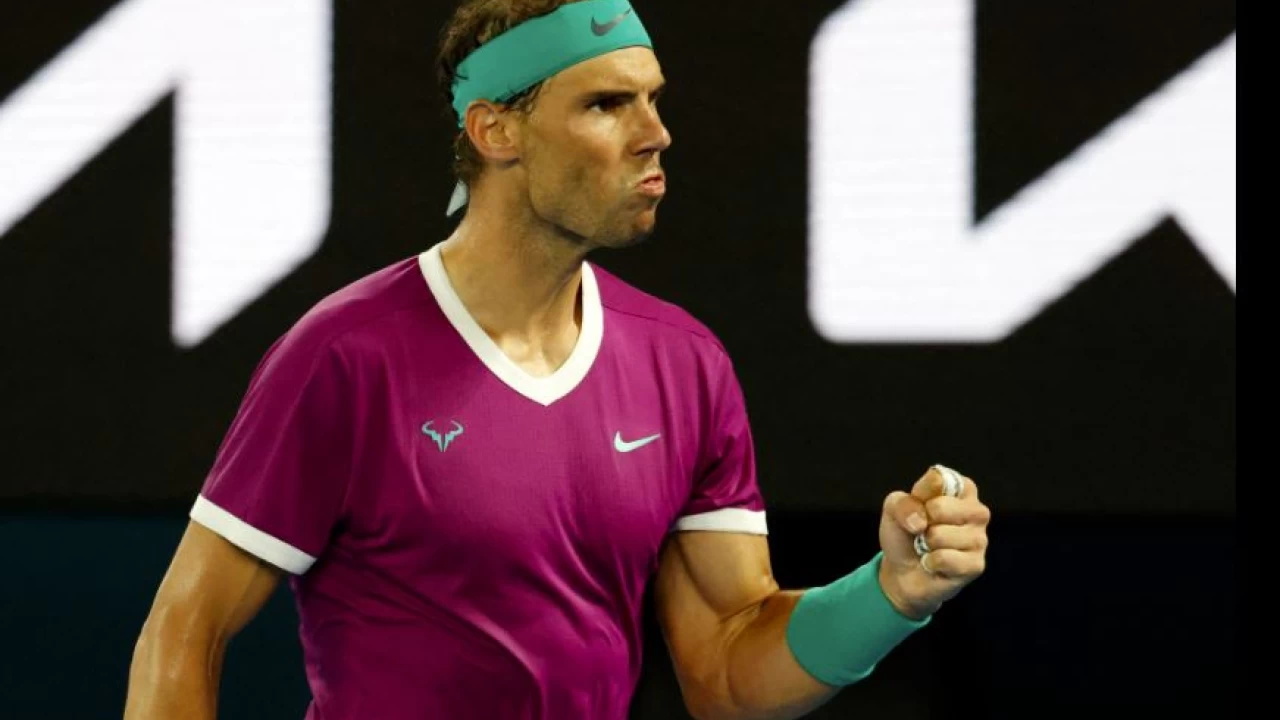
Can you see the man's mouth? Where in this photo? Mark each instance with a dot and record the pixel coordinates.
(654, 184)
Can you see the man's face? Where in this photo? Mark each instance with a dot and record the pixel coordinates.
(590, 149)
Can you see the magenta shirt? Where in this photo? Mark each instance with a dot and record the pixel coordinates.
(466, 540)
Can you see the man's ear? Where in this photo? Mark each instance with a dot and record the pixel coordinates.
(493, 132)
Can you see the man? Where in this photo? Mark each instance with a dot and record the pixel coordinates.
(472, 462)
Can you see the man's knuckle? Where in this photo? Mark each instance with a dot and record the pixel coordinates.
(984, 514)
(979, 565)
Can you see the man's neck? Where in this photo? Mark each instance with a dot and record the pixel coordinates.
(520, 285)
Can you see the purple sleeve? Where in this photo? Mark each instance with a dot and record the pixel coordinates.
(279, 479)
(726, 496)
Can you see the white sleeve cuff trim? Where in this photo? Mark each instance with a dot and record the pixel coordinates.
(726, 520)
(249, 538)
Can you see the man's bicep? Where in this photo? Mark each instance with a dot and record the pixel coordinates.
(710, 584)
(212, 588)
(728, 571)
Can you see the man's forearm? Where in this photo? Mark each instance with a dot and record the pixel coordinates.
(796, 649)
(173, 677)
(764, 680)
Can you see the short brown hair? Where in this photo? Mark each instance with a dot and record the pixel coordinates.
(474, 23)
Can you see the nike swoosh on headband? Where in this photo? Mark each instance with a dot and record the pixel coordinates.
(603, 29)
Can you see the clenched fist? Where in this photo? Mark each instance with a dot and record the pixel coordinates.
(954, 530)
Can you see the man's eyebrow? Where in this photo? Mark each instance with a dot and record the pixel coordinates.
(620, 92)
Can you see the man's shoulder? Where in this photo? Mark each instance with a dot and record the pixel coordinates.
(360, 304)
(658, 315)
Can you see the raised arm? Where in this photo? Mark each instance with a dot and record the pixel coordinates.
(211, 590)
(744, 649)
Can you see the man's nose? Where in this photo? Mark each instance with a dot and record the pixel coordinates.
(654, 134)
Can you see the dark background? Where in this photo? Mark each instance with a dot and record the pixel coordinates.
(1102, 433)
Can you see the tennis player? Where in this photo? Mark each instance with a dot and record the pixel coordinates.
(471, 463)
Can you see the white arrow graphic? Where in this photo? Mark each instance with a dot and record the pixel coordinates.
(252, 173)
(894, 255)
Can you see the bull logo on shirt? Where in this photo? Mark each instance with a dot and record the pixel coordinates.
(442, 441)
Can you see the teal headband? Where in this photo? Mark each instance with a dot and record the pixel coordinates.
(539, 48)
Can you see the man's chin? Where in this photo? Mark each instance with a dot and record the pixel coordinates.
(638, 232)
(645, 225)
(620, 242)
(642, 231)
(640, 238)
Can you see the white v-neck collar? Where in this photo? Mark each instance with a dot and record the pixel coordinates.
(544, 390)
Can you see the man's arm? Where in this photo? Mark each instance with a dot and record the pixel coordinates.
(734, 635)
(211, 590)
(725, 622)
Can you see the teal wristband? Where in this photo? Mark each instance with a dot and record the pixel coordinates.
(839, 632)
